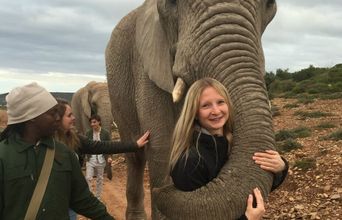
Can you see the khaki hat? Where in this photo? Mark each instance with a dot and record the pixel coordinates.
(27, 102)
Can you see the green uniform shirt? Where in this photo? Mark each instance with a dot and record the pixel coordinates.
(20, 166)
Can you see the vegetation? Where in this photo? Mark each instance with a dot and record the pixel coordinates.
(299, 132)
(294, 105)
(305, 163)
(325, 125)
(306, 84)
(315, 114)
(288, 145)
(337, 135)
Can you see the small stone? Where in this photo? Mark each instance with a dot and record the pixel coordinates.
(335, 197)
(327, 188)
(299, 207)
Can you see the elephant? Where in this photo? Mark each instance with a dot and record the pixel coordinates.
(93, 98)
(154, 54)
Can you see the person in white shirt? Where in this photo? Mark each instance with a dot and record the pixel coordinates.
(95, 164)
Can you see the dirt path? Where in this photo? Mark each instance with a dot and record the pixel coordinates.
(114, 191)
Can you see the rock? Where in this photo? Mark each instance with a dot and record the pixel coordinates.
(327, 188)
(335, 197)
(299, 207)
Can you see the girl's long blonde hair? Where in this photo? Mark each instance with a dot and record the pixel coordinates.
(183, 133)
(69, 138)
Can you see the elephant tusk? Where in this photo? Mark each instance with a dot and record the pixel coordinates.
(178, 90)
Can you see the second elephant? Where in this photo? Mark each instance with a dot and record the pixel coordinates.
(91, 99)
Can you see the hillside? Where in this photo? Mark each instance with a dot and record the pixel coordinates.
(64, 95)
(308, 83)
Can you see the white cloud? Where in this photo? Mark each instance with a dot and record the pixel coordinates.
(52, 81)
(43, 37)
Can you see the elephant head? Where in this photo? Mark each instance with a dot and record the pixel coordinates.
(92, 99)
(155, 53)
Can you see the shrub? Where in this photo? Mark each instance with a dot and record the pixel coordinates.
(305, 163)
(303, 74)
(294, 105)
(316, 114)
(299, 132)
(306, 100)
(325, 125)
(283, 74)
(288, 145)
(337, 135)
(337, 95)
(283, 135)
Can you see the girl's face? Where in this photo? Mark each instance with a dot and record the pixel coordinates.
(213, 112)
(68, 120)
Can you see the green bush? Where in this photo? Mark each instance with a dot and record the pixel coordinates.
(306, 100)
(305, 163)
(316, 114)
(280, 86)
(283, 74)
(294, 105)
(325, 125)
(319, 82)
(303, 74)
(288, 145)
(299, 132)
(283, 135)
(337, 135)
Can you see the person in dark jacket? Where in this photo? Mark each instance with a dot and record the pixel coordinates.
(80, 144)
(32, 121)
(201, 143)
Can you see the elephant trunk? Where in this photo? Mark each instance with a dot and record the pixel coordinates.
(229, 50)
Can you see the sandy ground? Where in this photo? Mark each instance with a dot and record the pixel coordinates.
(114, 191)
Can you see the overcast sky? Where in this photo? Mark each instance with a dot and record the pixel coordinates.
(60, 43)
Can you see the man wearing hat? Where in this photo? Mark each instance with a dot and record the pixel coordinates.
(25, 144)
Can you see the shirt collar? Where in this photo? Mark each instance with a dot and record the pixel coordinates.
(21, 145)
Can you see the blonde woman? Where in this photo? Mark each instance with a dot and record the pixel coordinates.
(201, 142)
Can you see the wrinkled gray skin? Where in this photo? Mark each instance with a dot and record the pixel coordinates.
(92, 99)
(163, 40)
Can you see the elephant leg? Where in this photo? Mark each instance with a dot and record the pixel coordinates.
(135, 185)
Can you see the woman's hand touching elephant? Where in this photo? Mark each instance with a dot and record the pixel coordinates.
(257, 212)
(269, 160)
(143, 139)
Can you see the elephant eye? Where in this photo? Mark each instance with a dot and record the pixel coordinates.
(173, 1)
(270, 3)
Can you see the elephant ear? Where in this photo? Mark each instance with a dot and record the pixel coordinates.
(85, 102)
(153, 46)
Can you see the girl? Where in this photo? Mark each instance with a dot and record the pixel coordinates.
(201, 142)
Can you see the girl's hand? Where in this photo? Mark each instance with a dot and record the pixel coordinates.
(269, 160)
(143, 139)
(257, 212)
